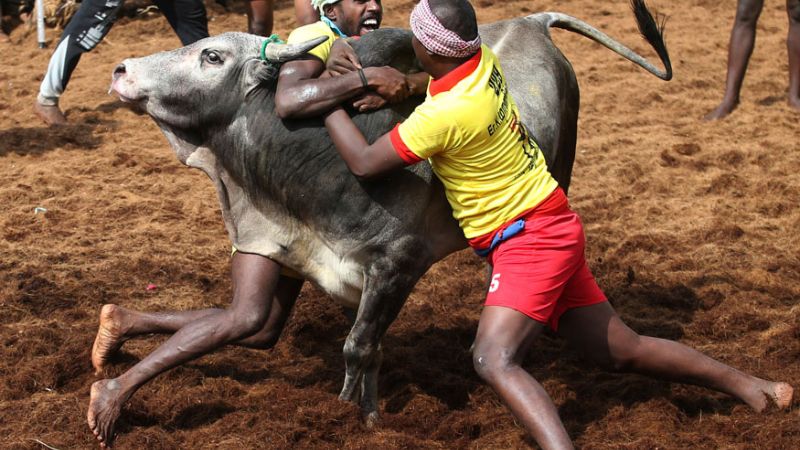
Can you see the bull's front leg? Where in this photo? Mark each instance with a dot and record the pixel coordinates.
(388, 284)
(362, 349)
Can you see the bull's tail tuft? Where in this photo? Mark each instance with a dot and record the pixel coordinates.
(651, 30)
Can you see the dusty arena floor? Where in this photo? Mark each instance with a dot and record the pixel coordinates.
(692, 231)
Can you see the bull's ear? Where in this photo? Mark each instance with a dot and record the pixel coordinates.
(258, 73)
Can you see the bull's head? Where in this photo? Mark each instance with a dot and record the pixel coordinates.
(202, 84)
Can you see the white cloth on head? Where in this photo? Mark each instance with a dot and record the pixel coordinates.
(319, 4)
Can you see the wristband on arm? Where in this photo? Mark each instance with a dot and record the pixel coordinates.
(363, 78)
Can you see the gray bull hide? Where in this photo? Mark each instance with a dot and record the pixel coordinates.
(286, 194)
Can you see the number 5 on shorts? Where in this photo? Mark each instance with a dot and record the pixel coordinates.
(495, 282)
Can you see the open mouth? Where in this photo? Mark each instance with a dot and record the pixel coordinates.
(116, 89)
(122, 96)
(369, 24)
(124, 91)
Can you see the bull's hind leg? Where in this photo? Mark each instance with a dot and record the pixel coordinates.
(388, 283)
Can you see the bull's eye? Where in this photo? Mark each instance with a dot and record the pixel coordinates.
(212, 57)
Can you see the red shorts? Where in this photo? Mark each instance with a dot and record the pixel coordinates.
(541, 271)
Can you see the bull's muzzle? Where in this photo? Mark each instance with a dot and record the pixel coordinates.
(122, 86)
(118, 72)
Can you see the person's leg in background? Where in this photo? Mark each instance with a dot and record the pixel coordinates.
(305, 13)
(743, 39)
(793, 48)
(187, 17)
(259, 17)
(82, 34)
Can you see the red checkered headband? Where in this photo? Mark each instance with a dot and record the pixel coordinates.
(438, 39)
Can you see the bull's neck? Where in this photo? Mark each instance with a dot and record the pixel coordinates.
(285, 160)
(272, 158)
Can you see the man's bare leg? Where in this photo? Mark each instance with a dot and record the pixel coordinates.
(118, 324)
(259, 17)
(601, 335)
(793, 48)
(305, 13)
(503, 338)
(254, 282)
(740, 47)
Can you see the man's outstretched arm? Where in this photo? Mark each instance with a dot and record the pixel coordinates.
(363, 160)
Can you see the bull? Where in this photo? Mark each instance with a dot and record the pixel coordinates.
(285, 193)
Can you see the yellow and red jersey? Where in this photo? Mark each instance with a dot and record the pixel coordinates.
(311, 31)
(469, 129)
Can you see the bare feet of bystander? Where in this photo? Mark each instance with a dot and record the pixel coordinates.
(721, 111)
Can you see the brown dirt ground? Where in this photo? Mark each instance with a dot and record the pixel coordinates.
(691, 226)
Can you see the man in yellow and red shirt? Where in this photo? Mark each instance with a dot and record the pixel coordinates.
(513, 212)
(495, 170)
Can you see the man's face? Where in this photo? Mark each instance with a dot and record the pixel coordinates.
(356, 17)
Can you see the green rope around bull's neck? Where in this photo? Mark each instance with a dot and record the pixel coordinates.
(270, 40)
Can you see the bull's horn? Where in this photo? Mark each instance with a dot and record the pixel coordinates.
(284, 52)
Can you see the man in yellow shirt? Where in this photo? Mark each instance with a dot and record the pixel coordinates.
(513, 212)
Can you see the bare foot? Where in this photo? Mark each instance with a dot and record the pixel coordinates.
(110, 336)
(105, 404)
(51, 115)
(721, 111)
(781, 395)
(769, 393)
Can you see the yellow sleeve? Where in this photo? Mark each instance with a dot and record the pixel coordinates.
(430, 129)
(311, 31)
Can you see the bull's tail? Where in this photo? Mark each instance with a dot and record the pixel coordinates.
(652, 31)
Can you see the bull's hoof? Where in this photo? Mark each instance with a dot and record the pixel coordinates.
(372, 420)
(348, 395)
